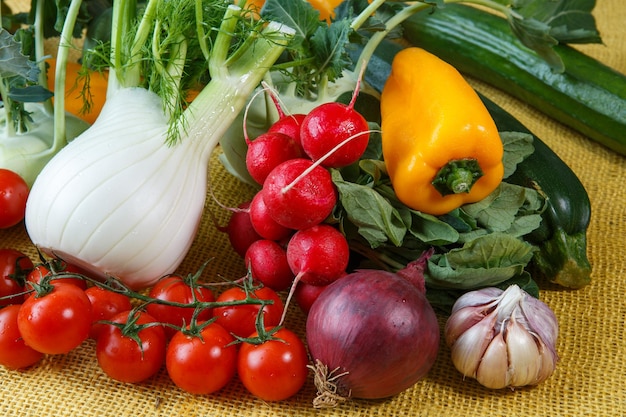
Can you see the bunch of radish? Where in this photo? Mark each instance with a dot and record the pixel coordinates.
(361, 346)
(281, 232)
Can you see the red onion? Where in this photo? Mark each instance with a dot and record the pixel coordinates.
(372, 334)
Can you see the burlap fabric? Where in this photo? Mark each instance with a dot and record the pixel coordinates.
(589, 379)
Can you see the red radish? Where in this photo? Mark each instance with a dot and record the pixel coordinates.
(298, 194)
(267, 151)
(240, 231)
(289, 124)
(318, 255)
(306, 294)
(335, 133)
(267, 262)
(262, 221)
(371, 334)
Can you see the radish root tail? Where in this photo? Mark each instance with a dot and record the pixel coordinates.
(326, 383)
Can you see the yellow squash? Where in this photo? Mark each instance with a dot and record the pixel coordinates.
(440, 144)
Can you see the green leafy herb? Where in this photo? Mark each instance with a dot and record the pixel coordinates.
(541, 24)
(485, 261)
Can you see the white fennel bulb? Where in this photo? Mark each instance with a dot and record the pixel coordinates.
(125, 198)
(116, 200)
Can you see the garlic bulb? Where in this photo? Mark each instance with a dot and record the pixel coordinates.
(502, 338)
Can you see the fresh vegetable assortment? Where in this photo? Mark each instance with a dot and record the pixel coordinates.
(387, 190)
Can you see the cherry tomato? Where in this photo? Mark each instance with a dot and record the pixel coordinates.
(241, 319)
(56, 322)
(275, 369)
(202, 364)
(13, 195)
(14, 267)
(14, 353)
(105, 305)
(124, 359)
(59, 267)
(174, 288)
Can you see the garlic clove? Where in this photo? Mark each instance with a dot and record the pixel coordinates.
(492, 371)
(469, 348)
(464, 319)
(524, 356)
(541, 320)
(484, 298)
(548, 363)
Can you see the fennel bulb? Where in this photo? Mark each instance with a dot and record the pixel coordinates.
(125, 198)
(117, 201)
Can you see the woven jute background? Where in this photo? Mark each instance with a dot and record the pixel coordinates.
(590, 377)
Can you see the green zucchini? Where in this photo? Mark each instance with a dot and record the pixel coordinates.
(588, 96)
(561, 237)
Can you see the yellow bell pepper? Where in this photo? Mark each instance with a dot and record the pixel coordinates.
(325, 7)
(440, 144)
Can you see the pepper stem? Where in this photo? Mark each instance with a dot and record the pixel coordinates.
(457, 176)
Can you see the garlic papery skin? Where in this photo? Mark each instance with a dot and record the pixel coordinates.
(502, 338)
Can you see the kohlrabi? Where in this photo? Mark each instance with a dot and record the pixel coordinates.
(32, 130)
(125, 198)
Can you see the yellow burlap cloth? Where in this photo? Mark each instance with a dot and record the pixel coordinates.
(589, 380)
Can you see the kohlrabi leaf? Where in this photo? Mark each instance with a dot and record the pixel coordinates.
(298, 15)
(329, 48)
(30, 94)
(13, 63)
(541, 24)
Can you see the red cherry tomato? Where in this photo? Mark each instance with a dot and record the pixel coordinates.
(125, 360)
(13, 195)
(202, 364)
(58, 267)
(174, 288)
(105, 305)
(240, 320)
(14, 267)
(56, 322)
(276, 369)
(14, 353)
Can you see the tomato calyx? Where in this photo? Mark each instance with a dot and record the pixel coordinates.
(131, 327)
(193, 279)
(263, 333)
(20, 274)
(42, 288)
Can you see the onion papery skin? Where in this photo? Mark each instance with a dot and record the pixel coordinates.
(378, 329)
(117, 200)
